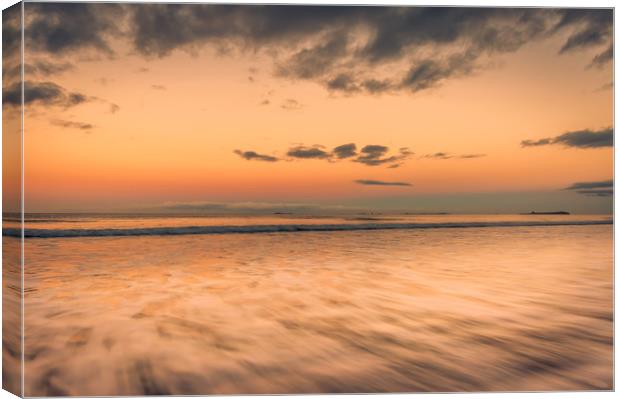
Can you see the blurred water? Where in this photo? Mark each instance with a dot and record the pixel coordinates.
(477, 309)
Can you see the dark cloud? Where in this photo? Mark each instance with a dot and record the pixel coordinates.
(603, 58)
(592, 27)
(374, 86)
(291, 104)
(371, 155)
(345, 151)
(577, 139)
(45, 68)
(374, 151)
(536, 143)
(72, 124)
(11, 30)
(314, 42)
(429, 72)
(158, 87)
(591, 184)
(343, 82)
(254, 156)
(382, 183)
(375, 155)
(314, 62)
(42, 93)
(40, 68)
(61, 27)
(603, 188)
(308, 153)
(155, 27)
(265, 102)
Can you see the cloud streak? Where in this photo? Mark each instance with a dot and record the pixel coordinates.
(254, 156)
(72, 124)
(603, 188)
(365, 182)
(597, 193)
(446, 155)
(577, 139)
(42, 93)
(592, 184)
(291, 104)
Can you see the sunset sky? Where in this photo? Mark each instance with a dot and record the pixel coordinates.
(201, 107)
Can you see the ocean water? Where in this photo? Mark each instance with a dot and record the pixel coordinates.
(130, 305)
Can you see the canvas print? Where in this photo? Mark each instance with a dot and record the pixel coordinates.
(285, 199)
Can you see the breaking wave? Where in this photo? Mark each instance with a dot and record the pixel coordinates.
(278, 228)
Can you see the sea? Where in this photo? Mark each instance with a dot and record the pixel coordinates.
(282, 303)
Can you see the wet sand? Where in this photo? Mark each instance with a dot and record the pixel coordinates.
(478, 309)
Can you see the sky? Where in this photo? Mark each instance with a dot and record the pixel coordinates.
(205, 108)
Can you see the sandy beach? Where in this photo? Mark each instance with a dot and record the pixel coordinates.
(477, 309)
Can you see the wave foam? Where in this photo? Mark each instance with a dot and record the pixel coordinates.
(278, 228)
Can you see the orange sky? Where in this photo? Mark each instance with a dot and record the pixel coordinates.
(181, 117)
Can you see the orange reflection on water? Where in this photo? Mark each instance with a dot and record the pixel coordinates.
(523, 308)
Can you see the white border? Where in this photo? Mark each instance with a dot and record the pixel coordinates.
(479, 3)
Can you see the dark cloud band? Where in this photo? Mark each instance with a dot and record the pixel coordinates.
(382, 183)
(577, 139)
(603, 188)
(321, 42)
(42, 93)
(254, 156)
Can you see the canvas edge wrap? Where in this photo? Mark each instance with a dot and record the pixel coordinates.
(12, 198)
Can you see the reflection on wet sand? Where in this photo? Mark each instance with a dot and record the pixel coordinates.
(11, 315)
(526, 308)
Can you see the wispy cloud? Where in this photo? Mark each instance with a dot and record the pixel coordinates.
(577, 139)
(254, 207)
(472, 156)
(72, 124)
(446, 155)
(39, 68)
(114, 108)
(597, 193)
(254, 156)
(382, 183)
(603, 188)
(591, 184)
(291, 104)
